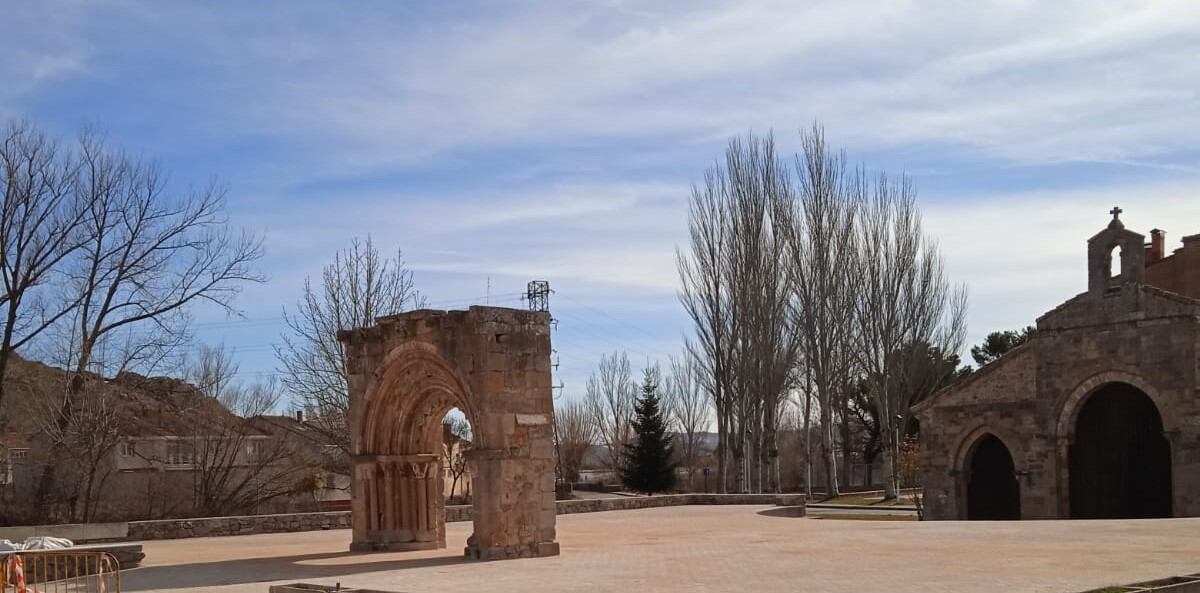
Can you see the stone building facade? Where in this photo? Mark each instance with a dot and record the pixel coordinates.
(405, 373)
(1097, 416)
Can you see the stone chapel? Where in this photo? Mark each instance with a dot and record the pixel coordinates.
(1097, 416)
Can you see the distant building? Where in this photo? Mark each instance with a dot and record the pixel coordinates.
(161, 448)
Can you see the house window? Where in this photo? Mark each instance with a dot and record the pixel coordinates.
(252, 450)
(128, 449)
(19, 454)
(179, 454)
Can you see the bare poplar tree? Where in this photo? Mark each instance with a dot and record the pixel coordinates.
(689, 408)
(146, 256)
(705, 298)
(359, 286)
(39, 227)
(610, 396)
(905, 304)
(822, 242)
(574, 434)
(737, 291)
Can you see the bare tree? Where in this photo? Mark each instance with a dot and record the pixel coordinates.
(737, 291)
(39, 227)
(145, 258)
(792, 444)
(808, 400)
(89, 437)
(610, 396)
(705, 297)
(689, 408)
(822, 241)
(359, 286)
(236, 467)
(905, 304)
(574, 434)
(454, 450)
(909, 472)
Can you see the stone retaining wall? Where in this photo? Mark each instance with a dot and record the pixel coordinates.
(248, 525)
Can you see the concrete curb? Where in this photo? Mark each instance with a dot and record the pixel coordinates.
(860, 507)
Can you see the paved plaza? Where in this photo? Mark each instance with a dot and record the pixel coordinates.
(706, 548)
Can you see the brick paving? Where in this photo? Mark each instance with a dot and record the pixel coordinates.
(701, 549)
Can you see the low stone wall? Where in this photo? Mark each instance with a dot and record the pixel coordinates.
(627, 503)
(248, 525)
(76, 532)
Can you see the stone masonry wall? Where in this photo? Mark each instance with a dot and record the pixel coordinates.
(246, 525)
(249, 525)
(1137, 335)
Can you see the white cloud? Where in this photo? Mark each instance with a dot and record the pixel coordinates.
(1023, 254)
(376, 87)
(1021, 81)
(337, 94)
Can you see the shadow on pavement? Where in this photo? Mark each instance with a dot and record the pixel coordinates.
(257, 570)
(783, 512)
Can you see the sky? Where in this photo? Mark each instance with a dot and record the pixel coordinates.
(501, 142)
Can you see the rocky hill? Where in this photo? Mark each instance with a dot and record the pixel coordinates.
(146, 406)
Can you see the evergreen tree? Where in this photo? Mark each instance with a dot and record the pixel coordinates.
(650, 460)
(998, 343)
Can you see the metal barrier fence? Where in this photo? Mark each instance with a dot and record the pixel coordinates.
(59, 571)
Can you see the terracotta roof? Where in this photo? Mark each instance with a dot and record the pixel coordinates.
(272, 424)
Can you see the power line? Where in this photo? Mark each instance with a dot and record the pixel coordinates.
(610, 317)
(512, 297)
(583, 328)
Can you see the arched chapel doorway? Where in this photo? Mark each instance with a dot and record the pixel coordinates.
(993, 493)
(1119, 460)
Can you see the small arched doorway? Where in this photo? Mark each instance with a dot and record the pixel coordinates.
(1120, 460)
(993, 493)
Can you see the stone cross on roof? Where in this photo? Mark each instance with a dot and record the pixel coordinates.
(1116, 221)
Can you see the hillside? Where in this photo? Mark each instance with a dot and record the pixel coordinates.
(144, 406)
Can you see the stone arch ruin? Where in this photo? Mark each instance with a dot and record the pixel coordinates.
(405, 373)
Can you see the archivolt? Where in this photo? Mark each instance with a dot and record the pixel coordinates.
(410, 397)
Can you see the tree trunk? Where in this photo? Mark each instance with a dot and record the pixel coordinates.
(722, 453)
(831, 478)
(891, 488)
(844, 429)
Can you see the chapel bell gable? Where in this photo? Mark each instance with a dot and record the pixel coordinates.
(1106, 244)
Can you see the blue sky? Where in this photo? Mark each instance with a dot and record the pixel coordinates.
(557, 140)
